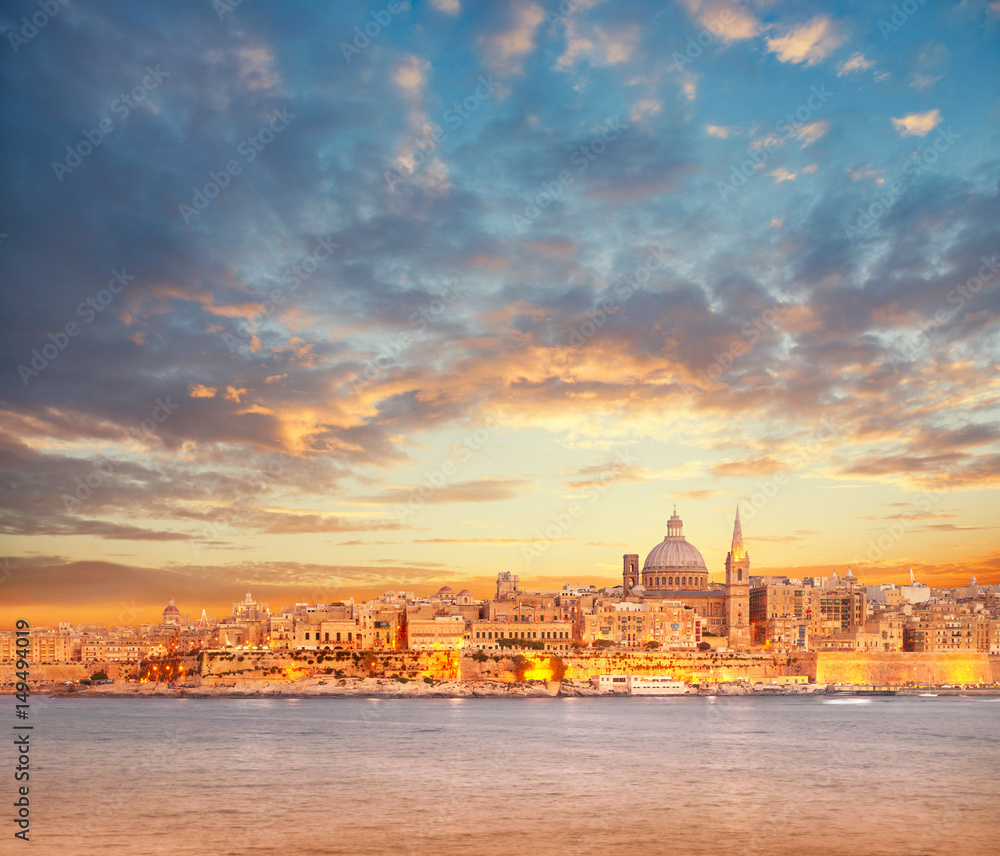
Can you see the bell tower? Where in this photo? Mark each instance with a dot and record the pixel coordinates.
(738, 590)
(630, 572)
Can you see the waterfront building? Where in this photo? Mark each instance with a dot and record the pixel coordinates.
(47, 645)
(554, 634)
(949, 627)
(380, 626)
(327, 635)
(440, 633)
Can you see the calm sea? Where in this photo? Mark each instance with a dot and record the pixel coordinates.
(513, 777)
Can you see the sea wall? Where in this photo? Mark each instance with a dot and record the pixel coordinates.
(226, 668)
(221, 668)
(694, 667)
(52, 673)
(903, 668)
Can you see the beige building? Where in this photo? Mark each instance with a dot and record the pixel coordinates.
(440, 633)
(327, 635)
(948, 627)
(46, 645)
(553, 635)
(380, 626)
(789, 615)
(105, 649)
(644, 624)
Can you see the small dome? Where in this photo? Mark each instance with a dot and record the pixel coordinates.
(465, 593)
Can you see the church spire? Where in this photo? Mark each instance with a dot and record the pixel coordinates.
(738, 551)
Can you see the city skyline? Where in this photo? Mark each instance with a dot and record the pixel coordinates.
(131, 613)
(396, 295)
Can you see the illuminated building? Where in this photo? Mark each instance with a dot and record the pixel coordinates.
(440, 633)
(553, 634)
(172, 616)
(380, 626)
(327, 635)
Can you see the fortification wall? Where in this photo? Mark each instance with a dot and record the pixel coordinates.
(696, 667)
(51, 673)
(290, 665)
(903, 667)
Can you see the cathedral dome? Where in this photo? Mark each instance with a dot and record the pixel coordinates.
(674, 553)
(670, 555)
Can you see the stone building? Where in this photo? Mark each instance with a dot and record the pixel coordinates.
(172, 616)
(643, 623)
(555, 635)
(792, 613)
(327, 635)
(440, 633)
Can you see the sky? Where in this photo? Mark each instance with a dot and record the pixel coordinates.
(324, 299)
